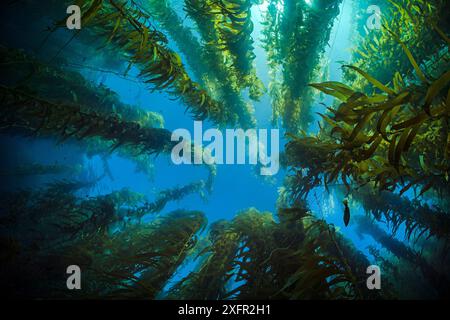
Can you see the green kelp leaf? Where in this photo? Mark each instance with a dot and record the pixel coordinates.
(372, 80)
(385, 119)
(423, 165)
(410, 57)
(116, 26)
(398, 82)
(434, 90)
(335, 89)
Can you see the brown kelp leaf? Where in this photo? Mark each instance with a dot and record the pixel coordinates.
(391, 153)
(390, 103)
(369, 152)
(411, 136)
(411, 122)
(400, 146)
(406, 188)
(385, 119)
(398, 100)
(359, 102)
(447, 102)
(364, 121)
(116, 26)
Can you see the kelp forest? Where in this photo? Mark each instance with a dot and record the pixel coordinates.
(359, 90)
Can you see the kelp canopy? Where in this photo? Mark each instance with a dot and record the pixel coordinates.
(382, 148)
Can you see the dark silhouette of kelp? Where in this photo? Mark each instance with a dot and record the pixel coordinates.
(54, 229)
(255, 257)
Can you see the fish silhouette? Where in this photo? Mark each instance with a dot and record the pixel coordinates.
(346, 213)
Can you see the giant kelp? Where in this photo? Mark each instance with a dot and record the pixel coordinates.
(397, 135)
(78, 99)
(58, 84)
(128, 29)
(271, 42)
(229, 84)
(216, 268)
(129, 260)
(385, 137)
(419, 219)
(204, 61)
(438, 280)
(35, 115)
(264, 259)
(378, 52)
(227, 26)
(188, 44)
(25, 111)
(298, 30)
(173, 194)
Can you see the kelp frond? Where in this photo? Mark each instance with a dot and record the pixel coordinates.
(24, 111)
(128, 29)
(302, 31)
(388, 137)
(253, 257)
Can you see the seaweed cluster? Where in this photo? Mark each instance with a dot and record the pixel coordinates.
(122, 257)
(394, 136)
(384, 141)
(383, 145)
(298, 30)
(255, 257)
(227, 26)
(127, 28)
(45, 231)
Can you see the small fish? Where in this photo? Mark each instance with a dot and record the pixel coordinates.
(346, 213)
